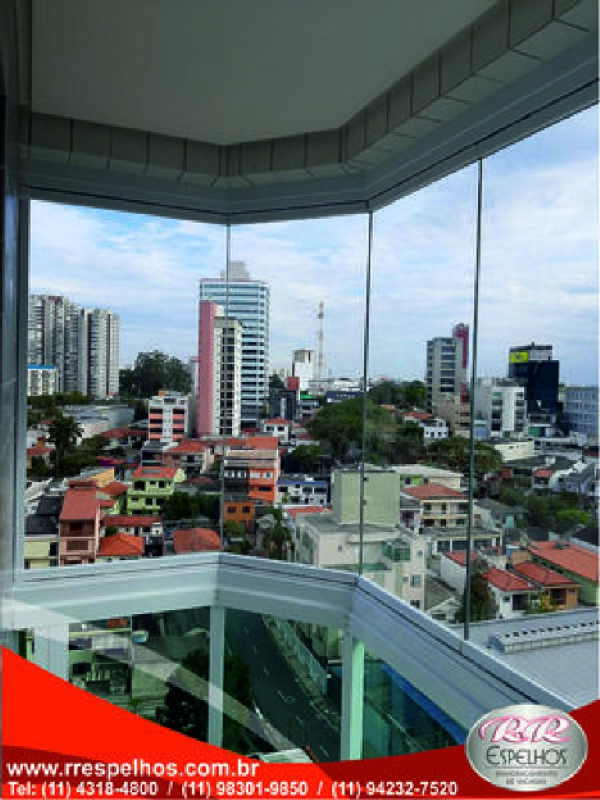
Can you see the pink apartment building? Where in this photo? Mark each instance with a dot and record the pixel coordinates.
(219, 401)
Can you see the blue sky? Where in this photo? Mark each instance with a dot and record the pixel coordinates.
(539, 277)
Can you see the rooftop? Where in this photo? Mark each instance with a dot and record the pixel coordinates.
(130, 520)
(431, 491)
(542, 575)
(569, 557)
(120, 545)
(155, 473)
(578, 660)
(80, 504)
(196, 540)
(507, 582)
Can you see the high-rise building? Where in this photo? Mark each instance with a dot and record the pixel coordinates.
(247, 301)
(103, 353)
(447, 361)
(501, 403)
(534, 367)
(219, 403)
(303, 367)
(581, 409)
(41, 380)
(82, 344)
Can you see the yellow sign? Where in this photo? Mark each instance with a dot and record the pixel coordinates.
(519, 356)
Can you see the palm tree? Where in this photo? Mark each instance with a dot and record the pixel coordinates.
(64, 433)
(276, 534)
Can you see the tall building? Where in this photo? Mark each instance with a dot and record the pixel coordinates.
(581, 409)
(82, 344)
(220, 364)
(447, 362)
(168, 417)
(41, 380)
(534, 367)
(303, 367)
(247, 301)
(501, 403)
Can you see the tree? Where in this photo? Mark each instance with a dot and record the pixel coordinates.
(64, 433)
(339, 426)
(275, 382)
(152, 372)
(482, 605)
(276, 534)
(185, 706)
(414, 394)
(305, 458)
(387, 393)
(408, 443)
(453, 453)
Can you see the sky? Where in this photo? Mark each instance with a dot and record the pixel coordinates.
(539, 278)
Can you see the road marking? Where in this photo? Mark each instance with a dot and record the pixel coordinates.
(255, 648)
(265, 670)
(323, 750)
(287, 698)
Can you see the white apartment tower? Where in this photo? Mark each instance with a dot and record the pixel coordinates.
(501, 403)
(247, 301)
(103, 353)
(82, 344)
(303, 367)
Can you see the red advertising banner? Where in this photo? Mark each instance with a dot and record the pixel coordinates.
(61, 742)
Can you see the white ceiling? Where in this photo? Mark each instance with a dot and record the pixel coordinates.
(227, 71)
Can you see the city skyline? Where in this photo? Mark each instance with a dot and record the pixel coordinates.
(538, 279)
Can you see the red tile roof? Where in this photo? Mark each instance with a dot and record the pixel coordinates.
(542, 575)
(190, 446)
(263, 442)
(121, 544)
(137, 432)
(277, 421)
(155, 473)
(293, 512)
(543, 473)
(129, 520)
(506, 581)
(196, 540)
(80, 504)
(422, 415)
(114, 489)
(569, 557)
(430, 490)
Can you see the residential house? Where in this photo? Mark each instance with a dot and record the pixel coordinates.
(575, 562)
(79, 526)
(120, 547)
(196, 540)
(278, 427)
(150, 488)
(514, 594)
(242, 511)
(303, 490)
(556, 590)
(419, 474)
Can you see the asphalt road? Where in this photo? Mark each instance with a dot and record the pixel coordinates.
(277, 691)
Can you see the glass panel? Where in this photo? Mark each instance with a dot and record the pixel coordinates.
(294, 686)
(418, 414)
(147, 664)
(302, 340)
(398, 718)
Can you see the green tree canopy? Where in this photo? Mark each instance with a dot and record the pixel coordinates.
(406, 395)
(453, 453)
(64, 433)
(152, 372)
(276, 534)
(338, 427)
(482, 604)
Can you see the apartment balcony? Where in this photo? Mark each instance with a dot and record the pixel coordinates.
(257, 610)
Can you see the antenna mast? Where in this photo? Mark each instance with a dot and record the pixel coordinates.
(320, 317)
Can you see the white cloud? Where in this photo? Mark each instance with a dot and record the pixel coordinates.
(538, 279)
